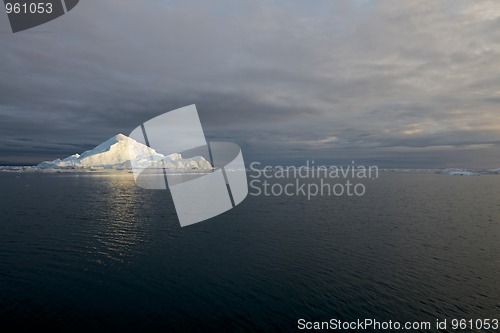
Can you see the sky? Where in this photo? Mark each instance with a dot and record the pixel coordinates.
(389, 83)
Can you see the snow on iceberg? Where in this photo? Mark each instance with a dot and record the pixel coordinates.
(118, 153)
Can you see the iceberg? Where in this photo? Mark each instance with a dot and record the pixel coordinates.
(459, 172)
(120, 151)
(495, 171)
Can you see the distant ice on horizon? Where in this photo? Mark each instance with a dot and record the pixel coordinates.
(467, 172)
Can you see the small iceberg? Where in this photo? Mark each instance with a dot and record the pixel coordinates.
(459, 172)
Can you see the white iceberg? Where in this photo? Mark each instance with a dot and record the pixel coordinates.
(495, 171)
(459, 172)
(120, 151)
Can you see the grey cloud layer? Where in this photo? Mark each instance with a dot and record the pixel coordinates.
(397, 83)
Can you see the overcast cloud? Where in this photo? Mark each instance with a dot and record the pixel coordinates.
(393, 83)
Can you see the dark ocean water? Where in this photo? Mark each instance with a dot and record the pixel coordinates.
(93, 252)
